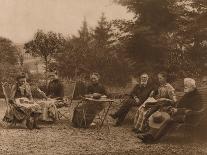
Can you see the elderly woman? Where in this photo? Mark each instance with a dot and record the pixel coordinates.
(185, 112)
(188, 104)
(85, 112)
(95, 86)
(23, 107)
(165, 96)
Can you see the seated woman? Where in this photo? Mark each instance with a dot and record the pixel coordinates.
(55, 90)
(24, 107)
(186, 111)
(95, 86)
(190, 102)
(165, 97)
(90, 108)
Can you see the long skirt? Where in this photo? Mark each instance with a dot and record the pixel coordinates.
(49, 110)
(20, 111)
(85, 113)
(142, 115)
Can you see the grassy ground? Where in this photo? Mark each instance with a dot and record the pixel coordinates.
(62, 138)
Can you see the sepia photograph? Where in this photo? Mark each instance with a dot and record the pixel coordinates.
(103, 77)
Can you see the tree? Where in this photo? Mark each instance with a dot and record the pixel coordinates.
(105, 56)
(93, 51)
(73, 58)
(163, 34)
(45, 45)
(103, 33)
(146, 44)
(8, 51)
(8, 60)
(84, 34)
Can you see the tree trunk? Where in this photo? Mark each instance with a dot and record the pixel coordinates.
(46, 71)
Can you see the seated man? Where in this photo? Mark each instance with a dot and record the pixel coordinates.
(186, 111)
(138, 95)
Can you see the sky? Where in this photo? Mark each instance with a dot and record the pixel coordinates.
(20, 19)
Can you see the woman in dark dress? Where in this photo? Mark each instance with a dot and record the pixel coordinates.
(85, 113)
(95, 86)
(55, 87)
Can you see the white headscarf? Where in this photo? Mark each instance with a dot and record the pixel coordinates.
(95, 75)
(189, 85)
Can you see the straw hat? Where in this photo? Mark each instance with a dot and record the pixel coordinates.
(157, 119)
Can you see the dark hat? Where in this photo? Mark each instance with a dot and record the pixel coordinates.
(52, 74)
(20, 76)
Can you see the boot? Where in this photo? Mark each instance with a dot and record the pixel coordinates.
(35, 126)
(29, 124)
(113, 116)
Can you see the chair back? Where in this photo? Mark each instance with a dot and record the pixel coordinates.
(203, 93)
(6, 87)
(69, 89)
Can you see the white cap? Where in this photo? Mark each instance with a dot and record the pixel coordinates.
(189, 82)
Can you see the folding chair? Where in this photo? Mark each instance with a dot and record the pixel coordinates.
(69, 89)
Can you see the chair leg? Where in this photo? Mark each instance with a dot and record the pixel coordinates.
(84, 117)
(12, 124)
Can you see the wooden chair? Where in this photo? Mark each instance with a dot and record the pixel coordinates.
(69, 89)
(6, 87)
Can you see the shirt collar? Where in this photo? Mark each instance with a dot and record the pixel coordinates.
(164, 85)
(143, 84)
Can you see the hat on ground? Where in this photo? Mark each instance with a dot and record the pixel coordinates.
(157, 119)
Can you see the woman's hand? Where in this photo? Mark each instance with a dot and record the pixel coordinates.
(163, 99)
(173, 110)
(187, 112)
(152, 94)
(136, 99)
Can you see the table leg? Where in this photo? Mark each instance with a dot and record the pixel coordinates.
(105, 115)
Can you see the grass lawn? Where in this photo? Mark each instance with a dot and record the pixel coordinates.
(62, 138)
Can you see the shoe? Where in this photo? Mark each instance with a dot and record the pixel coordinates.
(137, 131)
(134, 130)
(35, 126)
(140, 136)
(113, 116)
(117, 124)
(29, 124)
(146, 138)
